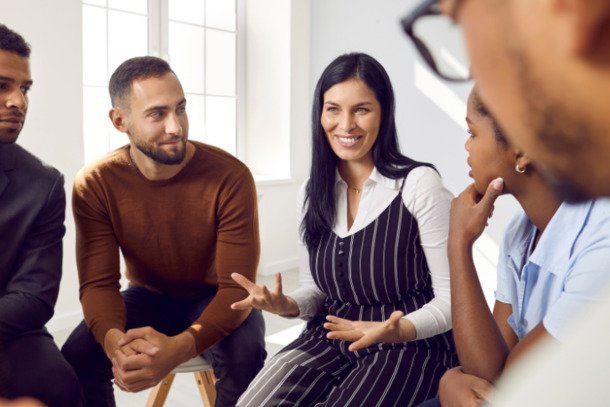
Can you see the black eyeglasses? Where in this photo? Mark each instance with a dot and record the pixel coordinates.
(446, 55)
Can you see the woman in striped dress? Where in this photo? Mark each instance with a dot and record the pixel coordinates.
(374, 273)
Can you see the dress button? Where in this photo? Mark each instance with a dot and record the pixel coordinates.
(340, 252)
(341, 243)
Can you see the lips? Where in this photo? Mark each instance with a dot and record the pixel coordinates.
(12, 118)
(348, 141)
(12, 121)
(172, 142)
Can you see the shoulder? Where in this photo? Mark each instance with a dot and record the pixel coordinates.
(423, 177)
(517, 228)
(595, 217)
(31, 170)
(219, 159)
(32, 164)
(424, 184)
(102, 168)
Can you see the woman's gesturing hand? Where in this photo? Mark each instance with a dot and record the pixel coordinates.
(367, 333)
(261, 298)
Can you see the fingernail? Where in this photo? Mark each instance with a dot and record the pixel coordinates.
(497, 184)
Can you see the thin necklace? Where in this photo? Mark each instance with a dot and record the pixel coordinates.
(358, 190)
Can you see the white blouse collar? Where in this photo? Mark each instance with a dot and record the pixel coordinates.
(375, 177)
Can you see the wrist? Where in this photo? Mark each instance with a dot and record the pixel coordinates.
(407, 330)
(111, 341)
(184, 346)
(291, 309)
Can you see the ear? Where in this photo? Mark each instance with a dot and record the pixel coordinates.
(586, 22)
(117, 117)
(522, 159)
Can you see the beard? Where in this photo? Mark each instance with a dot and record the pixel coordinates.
(162, 157)
(558, 129)
(564, 188)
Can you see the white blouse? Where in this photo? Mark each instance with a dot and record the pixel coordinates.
(429, 202)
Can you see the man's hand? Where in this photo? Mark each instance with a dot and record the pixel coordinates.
(135, 370)
(470, 211)
(261, 298)
(458, 389)
(366, 333)
(113, 338)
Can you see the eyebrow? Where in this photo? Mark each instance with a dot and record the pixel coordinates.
(356, 105)
(12, 80)
(163, 107)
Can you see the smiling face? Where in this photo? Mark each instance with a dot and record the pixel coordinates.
(351, 117)
(488, 157)
(15, 82)
(154, 117)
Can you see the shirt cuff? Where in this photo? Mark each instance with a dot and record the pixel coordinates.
(429, 321)
(309, 302)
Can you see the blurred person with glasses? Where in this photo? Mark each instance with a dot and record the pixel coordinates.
(542, 68)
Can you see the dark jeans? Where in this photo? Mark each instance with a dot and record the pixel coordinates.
(236, 359)
(34, 367)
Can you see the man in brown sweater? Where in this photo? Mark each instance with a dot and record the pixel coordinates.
(183, 214)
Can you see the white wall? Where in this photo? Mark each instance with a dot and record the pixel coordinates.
(53, 129)
(277, 60)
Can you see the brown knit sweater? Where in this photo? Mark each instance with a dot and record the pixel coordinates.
(178, 237)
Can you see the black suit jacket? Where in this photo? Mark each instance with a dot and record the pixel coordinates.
(32, 210)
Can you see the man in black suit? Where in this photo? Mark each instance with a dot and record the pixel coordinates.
(32, 207)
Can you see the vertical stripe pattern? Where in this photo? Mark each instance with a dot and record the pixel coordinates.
(366, 276)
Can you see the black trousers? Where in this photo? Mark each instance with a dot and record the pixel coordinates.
(33, 367)
(236, 359)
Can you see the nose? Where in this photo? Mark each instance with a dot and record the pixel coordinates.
(173, 125)
(346, 122)
(467, 144)
(17, 100)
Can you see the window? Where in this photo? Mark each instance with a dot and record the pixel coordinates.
(197, 37)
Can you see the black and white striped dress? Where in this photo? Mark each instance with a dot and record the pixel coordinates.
(366, 276)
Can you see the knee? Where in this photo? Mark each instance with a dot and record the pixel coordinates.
(245, 347)
(65, 391)
(80, 348)
(56, 386)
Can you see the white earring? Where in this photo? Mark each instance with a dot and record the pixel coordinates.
(519, 169)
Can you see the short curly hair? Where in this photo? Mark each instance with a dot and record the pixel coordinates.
(13, 42)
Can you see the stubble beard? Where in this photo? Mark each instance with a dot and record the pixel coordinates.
(557, 128)
(162, 157)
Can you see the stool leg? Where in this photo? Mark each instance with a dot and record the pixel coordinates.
(205, 384)
(158, 394)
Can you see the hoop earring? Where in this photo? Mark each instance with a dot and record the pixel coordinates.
(519, 169)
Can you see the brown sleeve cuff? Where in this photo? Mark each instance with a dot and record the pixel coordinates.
(207, 334)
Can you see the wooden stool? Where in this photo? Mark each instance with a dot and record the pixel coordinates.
(204, 375)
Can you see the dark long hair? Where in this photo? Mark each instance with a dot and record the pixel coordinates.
(319, 194)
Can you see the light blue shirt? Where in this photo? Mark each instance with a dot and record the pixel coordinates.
(564, 273)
